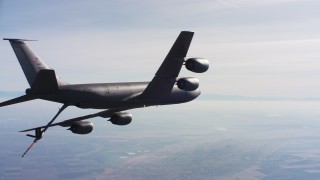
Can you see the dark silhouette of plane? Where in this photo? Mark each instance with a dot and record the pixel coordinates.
(115, 98)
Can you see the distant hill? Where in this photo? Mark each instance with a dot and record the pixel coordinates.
(254, 98)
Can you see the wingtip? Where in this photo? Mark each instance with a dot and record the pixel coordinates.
(187, 32)
(27, 130)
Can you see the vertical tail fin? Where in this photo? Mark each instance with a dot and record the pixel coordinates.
(30, 63)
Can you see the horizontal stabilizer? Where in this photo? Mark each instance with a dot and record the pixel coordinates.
(45, 82)
(18, 100)
(15, 39)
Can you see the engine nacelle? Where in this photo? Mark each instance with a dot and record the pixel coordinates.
(121, 118)
(197, 65)
(81, 127)
(188, 83)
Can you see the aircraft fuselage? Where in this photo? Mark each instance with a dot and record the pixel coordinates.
(114, 95)
(165, 88)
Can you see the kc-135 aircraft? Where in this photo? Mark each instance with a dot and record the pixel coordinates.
(115, 98)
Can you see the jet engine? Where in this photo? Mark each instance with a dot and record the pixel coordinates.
(197, 65)
(81, 127)
(121, 118)
(188, 83)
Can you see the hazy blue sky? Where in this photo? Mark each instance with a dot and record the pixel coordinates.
(256, 48)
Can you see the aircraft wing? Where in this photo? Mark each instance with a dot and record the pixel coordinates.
(67, 123)
(165, 78)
